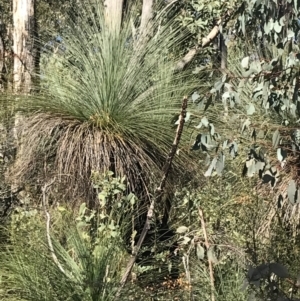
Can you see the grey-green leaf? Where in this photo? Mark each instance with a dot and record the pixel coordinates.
(182, 229)
(246, 124)
(250, 109)
(291, 191)
(195, 96)
(187, 117)
(200, 251)
(245, 62)
(211, 255)
(275, 138)
(290, 34)
(277, 27)
(204, 121)
(220, 164)
(211, 168)
(211, 129)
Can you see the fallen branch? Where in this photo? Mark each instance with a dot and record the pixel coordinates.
(157, 195)
(210, 264)
(50, 245)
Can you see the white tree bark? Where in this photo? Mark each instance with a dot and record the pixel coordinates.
(23, 45)
(147, 13)
(113, 14)
(2, 58)
(192, 52)
(24, 52)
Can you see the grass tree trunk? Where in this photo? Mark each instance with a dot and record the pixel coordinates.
(23, 45)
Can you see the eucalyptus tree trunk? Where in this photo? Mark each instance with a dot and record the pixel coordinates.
(147, 13)
(113, 13)
(2, 58)
(24, 62)
(23, 45)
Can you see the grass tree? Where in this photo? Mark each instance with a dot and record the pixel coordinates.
(107, 100)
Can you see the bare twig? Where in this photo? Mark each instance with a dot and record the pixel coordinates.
(50, 245)
(210, 265)
(157, 196)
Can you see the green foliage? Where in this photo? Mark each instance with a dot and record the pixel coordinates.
(84, 263)
(110, 101)
(106, 102)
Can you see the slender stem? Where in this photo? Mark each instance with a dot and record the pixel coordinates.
(157, 196)
(50, 245)
(210, 264)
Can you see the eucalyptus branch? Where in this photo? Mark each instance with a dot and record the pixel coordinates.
(50, 245)
(205, 42)
(157, 195)
(210, 265)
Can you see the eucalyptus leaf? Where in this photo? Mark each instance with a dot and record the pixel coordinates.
(277, 27)
(290, 34)
(187, 117)
(256, 67)
(259, 166)
(211, 255)
(275, 138)
(185, 240)
(251, 168)
(220, 164)
(245, 62)
(211, 167)
(82, 209)
(204, 121)
(199, 125)
(218, 85)
(200, 251)
(207, 160)
(195, 96)
(281, 154)
(181, 229)
(226, 95)
(291, 191)
(250, 109)
(282, 21)
(246, 124)
(211, 129)
(261, 134)
(241, 86)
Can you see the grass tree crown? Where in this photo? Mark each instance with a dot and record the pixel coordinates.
(106, 100)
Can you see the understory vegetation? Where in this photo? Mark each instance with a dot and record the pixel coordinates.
(156, 155)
